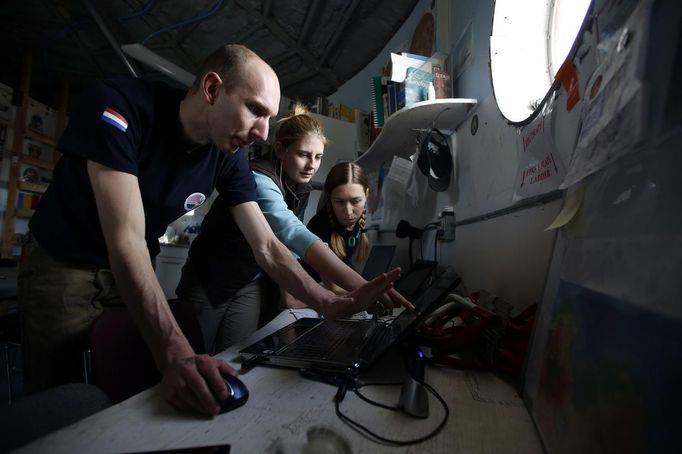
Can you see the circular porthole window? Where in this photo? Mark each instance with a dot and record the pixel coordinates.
(529, 42)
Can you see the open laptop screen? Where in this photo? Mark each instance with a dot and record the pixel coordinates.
(425, 302)
(380, 257)
(419, 277)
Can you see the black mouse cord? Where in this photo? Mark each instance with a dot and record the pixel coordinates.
(374, 402)
(378, 438)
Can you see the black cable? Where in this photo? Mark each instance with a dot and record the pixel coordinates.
(435, 248)
(433, 123)
(248, 364)
(362, 430)
(410, 251)
(373, 402)
(432, 226)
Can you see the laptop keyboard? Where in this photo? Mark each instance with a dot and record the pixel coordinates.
(378, 340)
(329, 337)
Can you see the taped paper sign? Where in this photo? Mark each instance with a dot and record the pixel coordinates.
(540, 169)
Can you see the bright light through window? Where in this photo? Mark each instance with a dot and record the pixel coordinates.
(566, 17)
(530, 40)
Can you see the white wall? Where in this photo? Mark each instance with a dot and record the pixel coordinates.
(356, 91)
(341, 146)
(505, 255)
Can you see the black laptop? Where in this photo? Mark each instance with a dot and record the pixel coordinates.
(342, 345)
(378, 261)
(419, 277)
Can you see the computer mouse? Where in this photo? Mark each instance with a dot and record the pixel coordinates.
(237, 394)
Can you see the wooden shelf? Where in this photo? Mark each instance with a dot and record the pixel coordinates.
(400, 131)
(37, 162)
(32, 187)
(22, 133)
(39, 136)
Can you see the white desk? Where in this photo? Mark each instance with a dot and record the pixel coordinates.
(486, 415)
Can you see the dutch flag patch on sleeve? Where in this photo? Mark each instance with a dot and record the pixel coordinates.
(115, 119)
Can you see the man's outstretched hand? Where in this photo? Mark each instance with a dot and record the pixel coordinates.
(361, 298)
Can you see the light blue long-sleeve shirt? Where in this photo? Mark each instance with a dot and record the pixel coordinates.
(284, 223)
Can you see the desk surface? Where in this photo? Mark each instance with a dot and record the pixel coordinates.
(486, 415)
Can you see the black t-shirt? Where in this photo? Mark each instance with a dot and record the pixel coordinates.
(131, 125)
(319, 225)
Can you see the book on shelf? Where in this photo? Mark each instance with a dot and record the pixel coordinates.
(417, 85)
(440, 69)
(409, 83)
(396, 97)
(374, 131)
(400, 93)
(438, 65)
(401, 62)
(423, 58)
(321, 106)
(346, 113)
(441, 81)
(379, 99)
(392, 98)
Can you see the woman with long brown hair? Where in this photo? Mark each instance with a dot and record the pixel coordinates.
(340, 222)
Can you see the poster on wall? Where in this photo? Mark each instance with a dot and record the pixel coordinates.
(613, 116)
(610, 376)
(394, 190)
(388, 193)
(540, 169)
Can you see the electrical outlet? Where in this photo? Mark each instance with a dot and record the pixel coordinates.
(447, 224)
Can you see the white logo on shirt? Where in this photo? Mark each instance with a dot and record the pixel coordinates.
(194, 201)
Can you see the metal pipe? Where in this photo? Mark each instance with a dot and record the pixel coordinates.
(519, 206)
(110, 37)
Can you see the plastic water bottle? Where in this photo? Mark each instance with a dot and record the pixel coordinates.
(432, 92)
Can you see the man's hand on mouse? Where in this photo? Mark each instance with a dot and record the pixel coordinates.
(196, 383)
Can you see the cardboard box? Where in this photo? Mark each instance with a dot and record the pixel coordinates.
(41, 118)
(38, 150)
